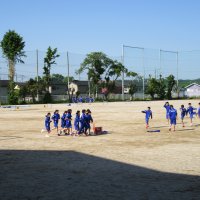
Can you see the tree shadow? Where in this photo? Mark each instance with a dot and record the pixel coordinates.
(72, 175)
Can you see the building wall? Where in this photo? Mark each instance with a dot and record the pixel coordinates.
(193, 91)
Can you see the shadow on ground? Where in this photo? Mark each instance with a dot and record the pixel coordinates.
(72, 175)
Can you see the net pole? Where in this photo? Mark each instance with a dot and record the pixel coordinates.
(37, 78)
(68, 72)
(177, 67)
(123, 73)
(143, 74)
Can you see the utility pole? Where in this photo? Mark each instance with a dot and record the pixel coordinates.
(68, 75)
(122, 73)
(37, 78)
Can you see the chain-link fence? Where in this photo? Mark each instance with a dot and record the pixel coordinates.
(145, 62)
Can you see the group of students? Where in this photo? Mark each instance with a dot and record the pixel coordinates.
(82, 122)
(81, 99)
(171, 114)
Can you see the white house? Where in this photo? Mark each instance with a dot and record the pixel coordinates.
(192, 90)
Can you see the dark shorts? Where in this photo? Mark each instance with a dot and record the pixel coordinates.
(173, 121)
(56, 124)
(48, 128)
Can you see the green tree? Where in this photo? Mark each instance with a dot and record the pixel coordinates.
(171, 82)
(49, 60)
(12, 47)
(96, 64)
(132, 89)
(160, 88)
(132, 86)
(59, 78)
(151, 88)
(112, 73)
(23, 92)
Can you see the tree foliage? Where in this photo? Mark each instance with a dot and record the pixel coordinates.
(12, 47)
(156, 87)
(171, 82)
(49, 60)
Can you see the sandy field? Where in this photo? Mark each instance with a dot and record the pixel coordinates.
(128, 163)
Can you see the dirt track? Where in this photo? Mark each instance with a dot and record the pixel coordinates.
(127, 163)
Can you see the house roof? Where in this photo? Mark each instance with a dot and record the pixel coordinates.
(5, 83)
(80, 83)
(192, 85)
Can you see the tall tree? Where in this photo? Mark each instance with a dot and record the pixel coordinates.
(171, 82)
(152, 87)
(161, 87)
(132, 86)
(12, 47)
(95, 63)
(49, 60)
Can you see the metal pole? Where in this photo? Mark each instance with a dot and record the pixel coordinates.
(89, 86)
(122, 73)
(160, 61)
(37, 66)
(143, 74)
(68, 72)
(177, 63)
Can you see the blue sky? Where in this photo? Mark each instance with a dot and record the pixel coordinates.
(83, 26)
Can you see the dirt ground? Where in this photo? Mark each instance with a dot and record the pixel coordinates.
(126, 163)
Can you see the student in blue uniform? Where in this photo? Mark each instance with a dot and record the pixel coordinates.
(183, 113)
(191, 112)
(198, 111)
(47, 123)
(89, 120)
(167, 107)
(63, 123)
(91, 100)
(68, 125)
(55, 118)
(148, 114)
(77, 122)
(172, 117)
(81, 99)
(83, 128)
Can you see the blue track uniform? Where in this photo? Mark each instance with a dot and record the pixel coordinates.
(191, 112)
(183, 113)
(167, 107)
(55, 119)
(148, 114)
(83, 127)
(91, 100)
(63, 121)
(68, 120)
(47, 123)
(87, 99)
(172, 116)
(77, 123)
(88, 120)
(198, 112)
(80, 100)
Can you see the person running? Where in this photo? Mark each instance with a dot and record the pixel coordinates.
(55, 118)
(68, 125)
(148, 114)
(83, 128)
(198, 111)
(77, 122)
(172, 117)
(167, 107)
(191, 112)
(89, 120)
(183, 113)
(47, 123)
